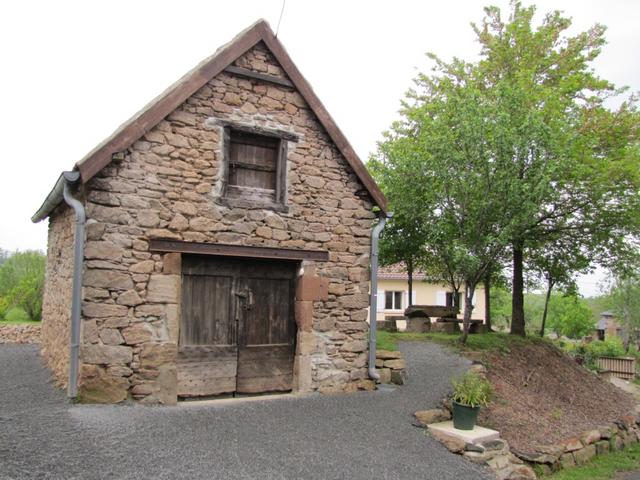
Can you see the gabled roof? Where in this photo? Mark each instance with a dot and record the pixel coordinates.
(179, 92)
(398, 271)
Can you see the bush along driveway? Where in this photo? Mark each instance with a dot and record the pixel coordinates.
(363, 435)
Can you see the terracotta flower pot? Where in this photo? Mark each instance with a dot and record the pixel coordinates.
(464, 416)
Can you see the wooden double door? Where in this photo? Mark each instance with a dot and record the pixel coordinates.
(237, 328)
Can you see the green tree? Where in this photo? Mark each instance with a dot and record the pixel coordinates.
(501, 307)
(402, 240)
(4, 255)
(557, 263)
(440, 158)
(515, 151)
(572, 162)
(570, 316)
(22, 283)
(624, 298)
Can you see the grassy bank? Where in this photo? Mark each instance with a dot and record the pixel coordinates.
(20, 322)
(604, 467)
(501, 342)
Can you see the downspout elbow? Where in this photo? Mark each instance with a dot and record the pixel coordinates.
(373, 297)
(71, 178)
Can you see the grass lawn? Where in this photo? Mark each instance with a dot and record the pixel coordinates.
(17, 316)
(20, 322)
(604, 467)
(477, 342)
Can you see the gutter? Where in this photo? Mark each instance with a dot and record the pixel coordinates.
(373, 297)
(55, 196)
(62, 190)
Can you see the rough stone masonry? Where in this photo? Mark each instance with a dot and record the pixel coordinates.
(167, 185)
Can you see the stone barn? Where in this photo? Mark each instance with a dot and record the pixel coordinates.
(218, 243)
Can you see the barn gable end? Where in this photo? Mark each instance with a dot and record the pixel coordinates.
(166, 195)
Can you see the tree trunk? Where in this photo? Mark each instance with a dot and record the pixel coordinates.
(517, 299)
(626, 330)
(487, 301)
(410, 281)
(469, 291)
(546, 305)
(455, 300)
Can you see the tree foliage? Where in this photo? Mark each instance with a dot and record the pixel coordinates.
(22, 283)
(557, 264)
(4, 255)
(570, 316)
(572, 161)
(624, 299)
(514, 154)
(402, 240)
(567, 313)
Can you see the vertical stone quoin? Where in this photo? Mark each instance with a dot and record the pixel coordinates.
(168, 186)
(56, 304)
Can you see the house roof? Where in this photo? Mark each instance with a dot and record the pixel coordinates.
(179, 92)
(398, 271)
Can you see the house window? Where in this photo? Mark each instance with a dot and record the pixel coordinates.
(454, 299)
(255, 168)
(393, 300)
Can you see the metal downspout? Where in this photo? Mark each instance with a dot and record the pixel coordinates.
(76, 294)
(373, 297)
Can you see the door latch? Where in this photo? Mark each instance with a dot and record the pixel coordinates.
(247, 294)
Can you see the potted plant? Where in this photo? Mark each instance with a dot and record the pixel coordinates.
(470, 392)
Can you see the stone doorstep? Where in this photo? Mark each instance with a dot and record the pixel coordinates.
(242, 399)
(475, 436)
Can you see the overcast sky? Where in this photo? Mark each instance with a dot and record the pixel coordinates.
(73, 71)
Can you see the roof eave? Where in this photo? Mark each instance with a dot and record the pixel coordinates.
(55, 196)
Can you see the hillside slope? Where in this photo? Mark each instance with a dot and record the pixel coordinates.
(542, 396)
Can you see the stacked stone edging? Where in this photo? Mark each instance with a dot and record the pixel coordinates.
(20, 333)
(391, 367)
(579, 450)
(498, 456)
(494, 454)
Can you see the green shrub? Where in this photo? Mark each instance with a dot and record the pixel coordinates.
(611, 347)
(569, 347)
(587, 353)
(16, 315)
(472, 390)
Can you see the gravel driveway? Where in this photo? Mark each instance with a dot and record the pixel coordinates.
(366, 435)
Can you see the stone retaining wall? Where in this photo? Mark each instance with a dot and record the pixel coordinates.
(20, 333)
(581, 449)
(391, 367)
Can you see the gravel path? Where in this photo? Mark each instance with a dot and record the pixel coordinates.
(366, 435)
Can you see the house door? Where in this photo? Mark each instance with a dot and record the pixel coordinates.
(237, 328)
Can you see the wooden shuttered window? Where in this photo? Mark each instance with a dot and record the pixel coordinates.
(256, 167)
(253, 161)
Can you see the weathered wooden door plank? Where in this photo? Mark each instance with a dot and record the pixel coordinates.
(237, 327)
(266, 344)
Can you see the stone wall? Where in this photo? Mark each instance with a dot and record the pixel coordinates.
(20, 333)
(579, 450)
(56, 307)
(167, 187)
(391, 367)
